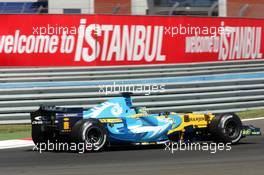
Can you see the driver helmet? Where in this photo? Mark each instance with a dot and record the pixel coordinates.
(141, 110)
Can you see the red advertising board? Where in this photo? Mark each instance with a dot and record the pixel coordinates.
(102, 40)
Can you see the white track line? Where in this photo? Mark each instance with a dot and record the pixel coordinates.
(252, 119)
(15, 144)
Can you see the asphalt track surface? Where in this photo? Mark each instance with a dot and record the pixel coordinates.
(246, 158)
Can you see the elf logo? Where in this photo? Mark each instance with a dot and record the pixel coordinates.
(39, 118)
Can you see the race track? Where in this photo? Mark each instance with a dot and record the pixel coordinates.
(244, 159)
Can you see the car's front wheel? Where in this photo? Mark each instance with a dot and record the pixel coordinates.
(226, 128)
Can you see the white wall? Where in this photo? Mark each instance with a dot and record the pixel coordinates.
(18, 0)
(139, 7)
(57, 6)
(222, 8)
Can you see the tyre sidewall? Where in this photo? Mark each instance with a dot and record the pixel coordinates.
(80, 131)
(218, 128)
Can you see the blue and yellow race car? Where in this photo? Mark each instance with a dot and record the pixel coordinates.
(117, 122)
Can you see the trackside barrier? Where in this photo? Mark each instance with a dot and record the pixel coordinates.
(199, 87)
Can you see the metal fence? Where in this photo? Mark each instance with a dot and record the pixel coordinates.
(216, 87)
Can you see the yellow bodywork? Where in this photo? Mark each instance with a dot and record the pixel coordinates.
(195, 120)
(190, 119)
(111, 120)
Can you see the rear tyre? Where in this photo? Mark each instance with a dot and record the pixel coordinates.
(90, 132)
(226, 128)
(38, 136)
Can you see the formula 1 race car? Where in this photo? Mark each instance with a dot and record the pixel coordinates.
(116, 121)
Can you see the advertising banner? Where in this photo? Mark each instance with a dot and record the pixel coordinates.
(105, 40)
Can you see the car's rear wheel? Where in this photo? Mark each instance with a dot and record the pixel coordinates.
(41, 137)
(90, 132)
(38, 135)
(226, 128)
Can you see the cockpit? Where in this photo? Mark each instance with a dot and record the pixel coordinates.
(141, 110)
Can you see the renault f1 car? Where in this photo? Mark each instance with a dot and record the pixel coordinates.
(116, 121)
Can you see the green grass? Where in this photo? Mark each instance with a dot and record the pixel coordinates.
(14, 131)
(23, 131)
(15, 135)
(251, 113)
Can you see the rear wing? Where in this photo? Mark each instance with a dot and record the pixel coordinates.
(47, 113)
(59, 109)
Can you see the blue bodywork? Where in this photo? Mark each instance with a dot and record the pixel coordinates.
(132, 125)
(125, 123)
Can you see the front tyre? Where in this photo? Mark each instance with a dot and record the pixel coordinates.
(226, 128)
(90, 132)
